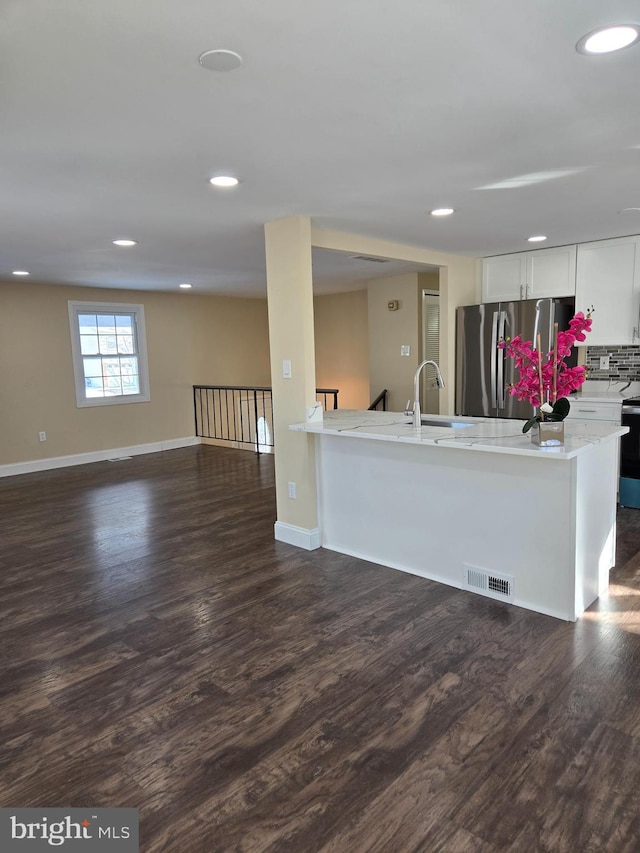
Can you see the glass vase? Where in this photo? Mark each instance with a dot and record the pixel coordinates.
(547, 433)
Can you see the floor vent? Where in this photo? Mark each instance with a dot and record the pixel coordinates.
(488, 583)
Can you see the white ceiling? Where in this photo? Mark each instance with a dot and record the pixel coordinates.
(363, 114)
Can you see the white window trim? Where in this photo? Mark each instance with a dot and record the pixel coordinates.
(78, 371)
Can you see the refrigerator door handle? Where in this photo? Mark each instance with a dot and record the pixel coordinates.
(536, 326)
(500, 357)
(494, 359)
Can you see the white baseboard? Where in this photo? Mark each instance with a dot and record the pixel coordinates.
(95, 456)
(298, 536)
(447, 581)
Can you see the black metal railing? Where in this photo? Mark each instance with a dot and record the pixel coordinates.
(381, 399)
(242, 415)
(325, 394)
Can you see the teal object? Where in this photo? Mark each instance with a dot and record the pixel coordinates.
(630, 492)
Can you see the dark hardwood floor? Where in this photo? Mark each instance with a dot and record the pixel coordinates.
(160, 650)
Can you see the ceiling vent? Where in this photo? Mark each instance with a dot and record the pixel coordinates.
(487, 583)
(369, 258)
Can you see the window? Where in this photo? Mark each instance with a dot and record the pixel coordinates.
(109, 353)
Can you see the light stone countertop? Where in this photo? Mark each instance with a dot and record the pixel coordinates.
(606, 392)
(492, 435)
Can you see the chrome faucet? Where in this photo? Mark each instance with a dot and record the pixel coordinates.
(416, 389)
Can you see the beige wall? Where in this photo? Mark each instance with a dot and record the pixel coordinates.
(457, 287)
(388, 331)
(429, 280)
(291, 338)
(342, 347)
(191, 340)
(344, 357)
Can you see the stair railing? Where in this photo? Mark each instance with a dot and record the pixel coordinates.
(381, 399)
(241, 415)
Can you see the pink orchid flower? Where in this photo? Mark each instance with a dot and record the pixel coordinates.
(549, 369)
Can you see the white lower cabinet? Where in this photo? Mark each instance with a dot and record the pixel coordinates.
(610, 413)
(608, 280)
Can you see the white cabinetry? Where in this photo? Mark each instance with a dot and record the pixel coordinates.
(529, 275)
(551, 272)
(610, 413)
(603, 412)
(504, 278)
(608, 279)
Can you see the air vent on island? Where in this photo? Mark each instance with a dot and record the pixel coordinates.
(487, 583)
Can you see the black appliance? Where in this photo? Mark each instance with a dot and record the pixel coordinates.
(630, 454)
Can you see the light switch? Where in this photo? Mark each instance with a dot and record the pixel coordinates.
(405, 349)
(286, 368)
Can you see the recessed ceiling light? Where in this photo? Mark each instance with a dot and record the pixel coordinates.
(220, 60)
(608, 39)
(441, 211)
(224, 181)
(185, 286)
(20, 272)
(537, 239)
(125, 242)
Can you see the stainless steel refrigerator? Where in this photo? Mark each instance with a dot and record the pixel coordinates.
(483, 374)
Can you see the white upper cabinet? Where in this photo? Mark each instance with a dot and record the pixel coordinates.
(504, 278)
(551, 272)
(608, 279)
(529, 275)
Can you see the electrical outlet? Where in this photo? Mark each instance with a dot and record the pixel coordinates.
(604, 362)
(42, 436)
(292, 489)
(405, 349)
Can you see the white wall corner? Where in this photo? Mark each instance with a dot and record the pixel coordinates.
(298, 536)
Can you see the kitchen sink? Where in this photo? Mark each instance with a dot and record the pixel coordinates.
(425, 420)
(443, 422)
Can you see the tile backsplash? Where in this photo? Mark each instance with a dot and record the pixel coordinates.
(624, 363)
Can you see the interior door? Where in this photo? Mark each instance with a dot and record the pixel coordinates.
(430, 349)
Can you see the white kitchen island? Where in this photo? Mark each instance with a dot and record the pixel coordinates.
(476, 507)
